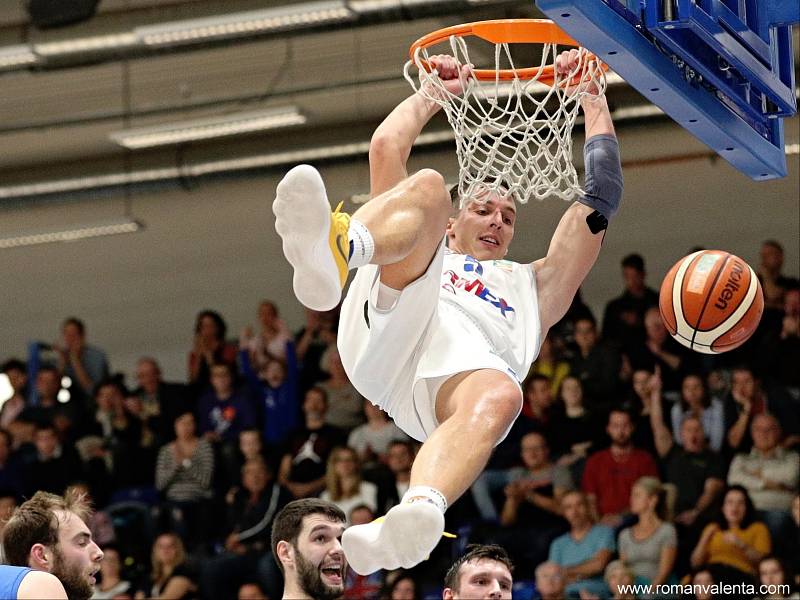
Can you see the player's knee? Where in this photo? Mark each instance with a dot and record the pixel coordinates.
(497, 407)
(431, 192)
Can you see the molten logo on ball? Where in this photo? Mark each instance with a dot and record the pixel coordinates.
(731, 286)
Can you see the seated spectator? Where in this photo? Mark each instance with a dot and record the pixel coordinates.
(171, 576)
(17, 375)
(532, 503)
(779, 350)
(697, 473)
(162, 402)
(623, 318)
(111, 584)
(773, 282)
(576, 426)
(56, 465)
(610, 474)
(775, 579)
(250, 514)
(659, 350)
(98, 521)
(596, 364)
(121, 432)
(746, 400)
(343, 484)
(549, 364)
(274, 386)
(11, 474)
(303, 467)
(85, 365)
(8, 504)
(371, 440)
(251, 591)
(549, 581)
(650, 546)
(223, 411)
(360, 515)
(358, 586)
(251, 446)
(702, 581)
(210, 348)
(637, 403)
(184, 472)
(696, 401)
(311, 342)
(273, 335)
(732, 546)
(399, 460)
(345, 404)
(585, 550)
(402, 586)
(770, 475)
(48, 409)
(619, 579)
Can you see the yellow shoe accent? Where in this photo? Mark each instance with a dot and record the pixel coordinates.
(337, 239)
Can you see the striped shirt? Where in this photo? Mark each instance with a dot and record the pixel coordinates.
(185, 482)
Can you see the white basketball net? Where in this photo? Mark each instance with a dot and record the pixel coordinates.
(517, 134)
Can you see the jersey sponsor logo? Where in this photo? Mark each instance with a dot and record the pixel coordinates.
(454, 281)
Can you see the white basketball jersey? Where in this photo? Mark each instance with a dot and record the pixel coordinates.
(500, 297)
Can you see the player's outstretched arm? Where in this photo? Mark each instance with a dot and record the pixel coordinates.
(576, 242)
(391, 143)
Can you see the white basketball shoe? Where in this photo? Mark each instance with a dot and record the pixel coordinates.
(403, 538)
(314, 238)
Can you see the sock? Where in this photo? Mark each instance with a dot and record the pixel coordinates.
(362, 245)
(423, 493)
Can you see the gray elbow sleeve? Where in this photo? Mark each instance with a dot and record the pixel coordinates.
(603, 183)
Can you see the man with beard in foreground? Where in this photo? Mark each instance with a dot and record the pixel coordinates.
(306, 544)
(48, 533)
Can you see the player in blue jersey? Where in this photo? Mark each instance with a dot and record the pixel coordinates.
(48, 533)
(23, 583)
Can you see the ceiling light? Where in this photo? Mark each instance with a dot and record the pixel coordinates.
(245, 23)
(97, 43)
(13, 57)
(71, 235)
(212, 127)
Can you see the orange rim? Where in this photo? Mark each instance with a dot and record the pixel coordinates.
(505, 31)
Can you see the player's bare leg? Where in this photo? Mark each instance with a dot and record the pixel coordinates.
(401, 229)
(475, 409)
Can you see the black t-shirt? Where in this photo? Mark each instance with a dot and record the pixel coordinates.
(530, 516)
(689, 473)
(310, 449)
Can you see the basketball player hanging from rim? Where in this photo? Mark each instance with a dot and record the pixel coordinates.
(439, 337)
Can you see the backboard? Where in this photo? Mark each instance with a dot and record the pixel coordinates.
(723, 69)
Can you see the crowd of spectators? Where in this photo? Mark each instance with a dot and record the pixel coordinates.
(634, 459)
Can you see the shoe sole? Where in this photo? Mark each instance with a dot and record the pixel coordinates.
(423, 527)
(303, 220)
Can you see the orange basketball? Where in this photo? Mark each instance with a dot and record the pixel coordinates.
(711, 301)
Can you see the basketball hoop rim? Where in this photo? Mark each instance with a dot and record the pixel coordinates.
(504, 31)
